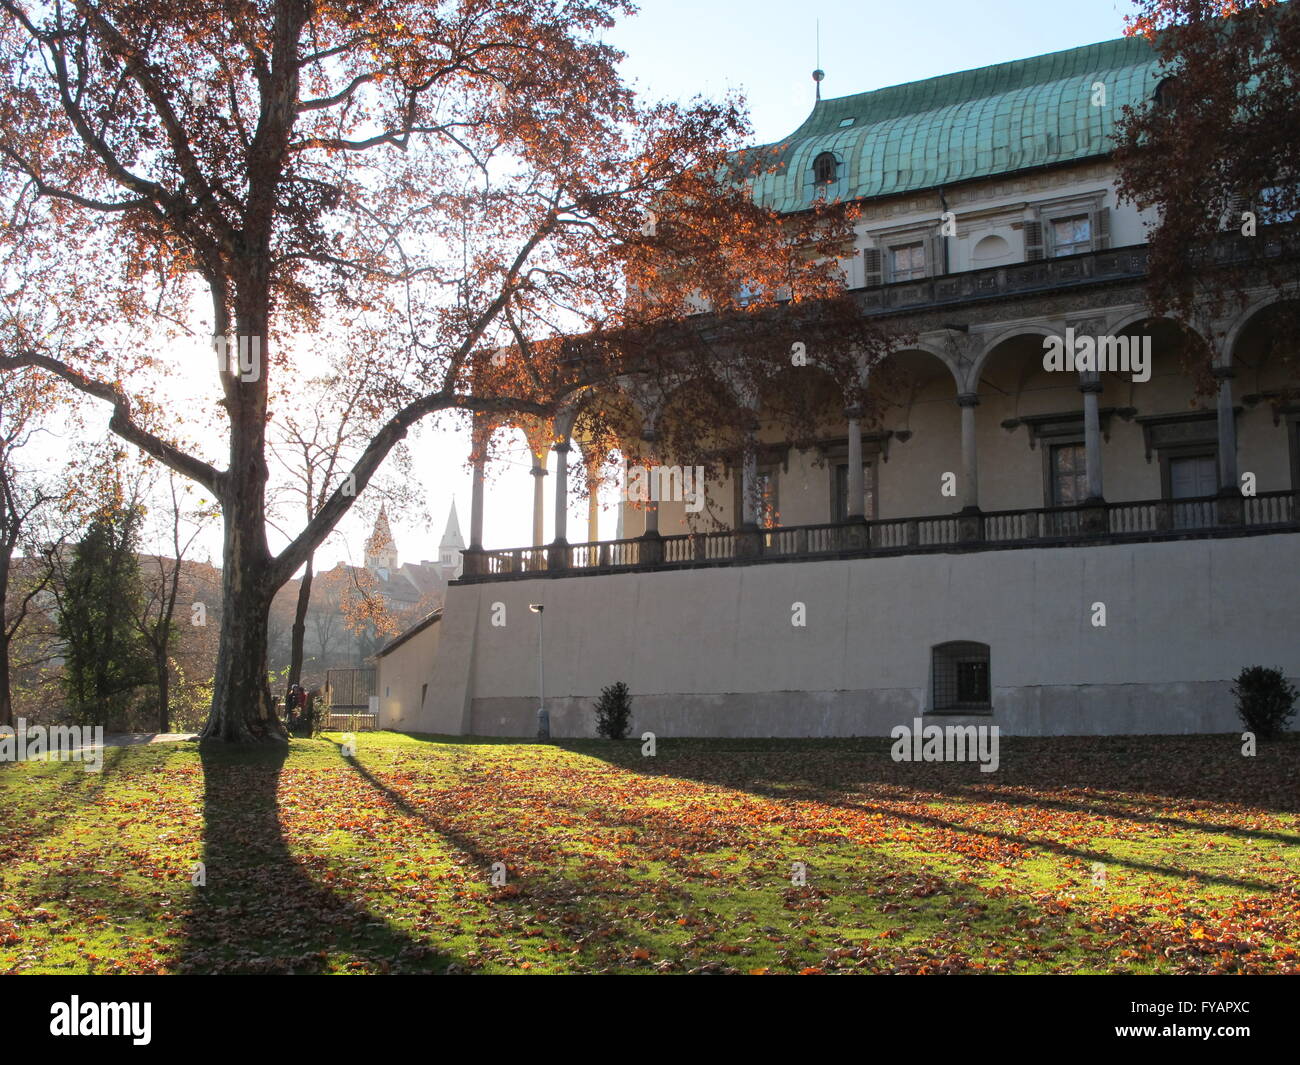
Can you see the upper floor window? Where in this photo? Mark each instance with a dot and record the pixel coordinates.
(1069, 475)
(840, 495)
(824, 168)
(1071, 235)
(766, 504)
(907, 261)
(769, 517)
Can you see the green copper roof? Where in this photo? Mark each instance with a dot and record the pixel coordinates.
(973, 124)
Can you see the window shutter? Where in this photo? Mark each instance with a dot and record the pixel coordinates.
(871, 265)
(1100, 225)
(1034, 241)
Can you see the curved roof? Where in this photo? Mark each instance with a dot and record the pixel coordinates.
(972, 124)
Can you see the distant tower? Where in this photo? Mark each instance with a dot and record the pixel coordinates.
(449, 551)
(381, 550)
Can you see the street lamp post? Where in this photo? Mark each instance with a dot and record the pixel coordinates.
(543, 718)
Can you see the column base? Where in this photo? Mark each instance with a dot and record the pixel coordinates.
(557, 555)
(749, 542)
(1094, 518)
(970, 525)
(855, 533)
(1230, 507)
(650, 549)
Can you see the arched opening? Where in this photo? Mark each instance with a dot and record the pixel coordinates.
(915, 393)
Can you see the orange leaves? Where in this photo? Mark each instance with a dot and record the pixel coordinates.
(683, 865)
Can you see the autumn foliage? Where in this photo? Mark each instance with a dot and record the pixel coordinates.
(430, 185)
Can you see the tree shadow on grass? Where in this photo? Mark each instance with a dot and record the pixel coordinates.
(260, 911)
(22, 826)
(623, 922)
(1176, 768)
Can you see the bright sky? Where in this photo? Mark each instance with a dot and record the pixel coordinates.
(767, 50)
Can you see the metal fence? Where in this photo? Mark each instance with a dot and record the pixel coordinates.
(347, 700)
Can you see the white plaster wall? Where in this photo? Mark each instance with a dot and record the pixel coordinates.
(402, 673)
(713, 652)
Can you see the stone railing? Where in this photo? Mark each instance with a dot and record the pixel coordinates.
(1096, 523)
(1115, 264)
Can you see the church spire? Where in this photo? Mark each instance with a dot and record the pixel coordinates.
(381, 549)
(451, 536)
(449, 551)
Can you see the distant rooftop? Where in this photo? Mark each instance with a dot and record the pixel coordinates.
(972, 124)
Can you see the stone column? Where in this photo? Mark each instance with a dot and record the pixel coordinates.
(1231, 506)
(1227, 431)
(855, 532)
(970, 494)
(558, 555)
(1091, 389)
(593, 503)
(476, 507)
(1094, 518)
(651, 546)
(539, 497)
(749, 487)
(561, 449)
(749, 539)
(970, 527)
(856, 488)
(475, 548)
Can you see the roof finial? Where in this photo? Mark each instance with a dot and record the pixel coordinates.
(819, 74)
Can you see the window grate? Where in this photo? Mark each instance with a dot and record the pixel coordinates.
(960, 676)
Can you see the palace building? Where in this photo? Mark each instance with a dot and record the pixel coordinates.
(1055, 546)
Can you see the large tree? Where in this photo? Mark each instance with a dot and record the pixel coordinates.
(455, 186)
(1217, 152)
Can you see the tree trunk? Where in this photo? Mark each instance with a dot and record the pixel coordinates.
(164, 693)
(299, 632)
(241, 697)
(6, 695)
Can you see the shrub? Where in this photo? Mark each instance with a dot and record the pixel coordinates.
(614, 711)
(1265, 700)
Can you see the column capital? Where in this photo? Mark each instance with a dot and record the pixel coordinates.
(562, 446)
(1091, 386)
(1223, 373)
(538, 471)
(968, 399)
(853, 412)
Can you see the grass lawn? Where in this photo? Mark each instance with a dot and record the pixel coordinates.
(1151, 854)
